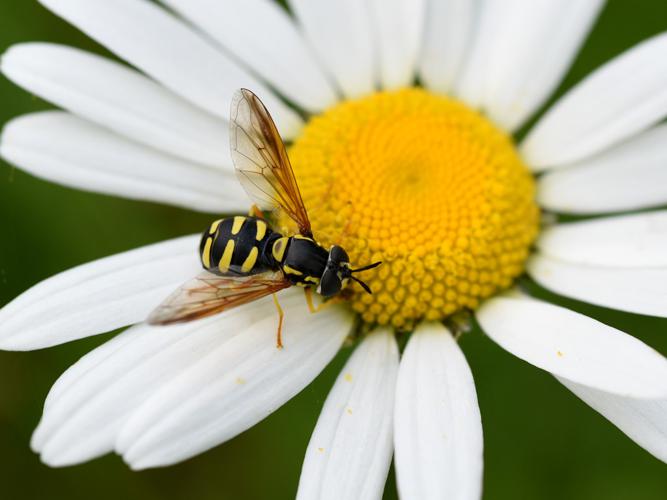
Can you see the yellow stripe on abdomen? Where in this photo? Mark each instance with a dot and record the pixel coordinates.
(238, 224)
(214, 227)
(261, 230)
(226, 259)
(250, 260)
(206, 253)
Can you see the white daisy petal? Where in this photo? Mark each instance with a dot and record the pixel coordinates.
(533, 50)
(99, 296)
(637, 290)
(166, 49)
(623, 97)
(398, 26)
(233, 388)
(350, 450)
(87, 363)
(449, 26)
(630, 176)
(118, 98)
(68, 150)
(88, 405)
(336, 30)
(437, 426)
(642, 420)
(638, 240)
(261, 34)
(489, 21)
(575, 347)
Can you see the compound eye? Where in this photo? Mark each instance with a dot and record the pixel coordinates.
(337, 255)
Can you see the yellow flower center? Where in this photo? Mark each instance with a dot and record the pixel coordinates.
(427, 186)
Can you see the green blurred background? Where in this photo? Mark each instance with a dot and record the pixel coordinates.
(540, 440)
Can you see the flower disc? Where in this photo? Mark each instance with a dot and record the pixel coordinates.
(427, 186)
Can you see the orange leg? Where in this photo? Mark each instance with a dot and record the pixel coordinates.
(312, 307)
(309, 300)
(281, 315)
(256, 212)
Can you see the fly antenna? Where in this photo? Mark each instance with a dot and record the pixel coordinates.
(347, 272)
(366, 268)
(363, 285)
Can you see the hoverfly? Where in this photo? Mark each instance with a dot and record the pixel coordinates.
(244, 257)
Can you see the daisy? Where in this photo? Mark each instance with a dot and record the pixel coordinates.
(426, 179)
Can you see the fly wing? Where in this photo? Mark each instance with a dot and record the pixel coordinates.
(261, 162)
(210, 294)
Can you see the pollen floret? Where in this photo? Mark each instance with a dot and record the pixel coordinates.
(429, 187)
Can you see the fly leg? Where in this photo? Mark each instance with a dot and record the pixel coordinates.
(256, 212)
(309, 300)
(312, 307)
(281, 315)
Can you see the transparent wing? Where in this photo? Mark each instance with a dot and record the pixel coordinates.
(261, 161)
(209, 294)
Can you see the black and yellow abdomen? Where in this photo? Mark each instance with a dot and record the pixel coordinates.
(241, 246)
(238, 246)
